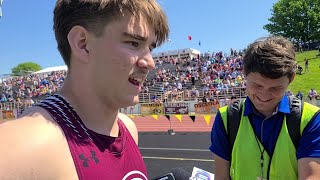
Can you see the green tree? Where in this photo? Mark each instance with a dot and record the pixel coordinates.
(298, 20)
(24, 68)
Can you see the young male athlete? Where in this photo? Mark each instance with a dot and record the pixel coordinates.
(78, 133)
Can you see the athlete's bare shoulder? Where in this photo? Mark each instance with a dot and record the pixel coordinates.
(34, 122)
(130, 126)
(27, 146)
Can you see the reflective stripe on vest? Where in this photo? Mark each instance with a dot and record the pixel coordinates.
(245, 160)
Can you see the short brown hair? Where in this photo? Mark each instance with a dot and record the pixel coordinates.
(94, 15)
(272, 57)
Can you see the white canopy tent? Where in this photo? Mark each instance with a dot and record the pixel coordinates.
(52, 69)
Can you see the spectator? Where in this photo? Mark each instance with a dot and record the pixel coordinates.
(299, 69)
(3, 98)
(154, 98)
(289, 93)
(312, 94)
(260, 145)
(131, 109)
(204, 99)
(29, 101)
(299, 95)
(306, 65)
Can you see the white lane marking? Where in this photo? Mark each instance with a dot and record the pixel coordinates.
(180, 159)
(174, 149)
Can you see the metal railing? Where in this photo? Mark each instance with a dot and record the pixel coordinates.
(191, 95)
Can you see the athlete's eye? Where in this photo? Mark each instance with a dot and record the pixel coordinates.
(133, 43)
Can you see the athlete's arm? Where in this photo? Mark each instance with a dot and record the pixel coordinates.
(33, 147)
(18, 159)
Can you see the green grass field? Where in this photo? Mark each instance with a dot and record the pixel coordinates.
(308, 80)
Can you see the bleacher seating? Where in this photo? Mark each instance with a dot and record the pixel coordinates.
(166, 71)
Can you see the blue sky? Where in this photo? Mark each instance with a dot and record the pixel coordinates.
(26, 28)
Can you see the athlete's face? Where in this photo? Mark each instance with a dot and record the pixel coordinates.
(121, 60)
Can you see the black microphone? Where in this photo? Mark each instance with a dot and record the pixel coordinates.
(175, 174)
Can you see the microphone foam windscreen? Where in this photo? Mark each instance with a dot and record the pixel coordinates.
(180, 174)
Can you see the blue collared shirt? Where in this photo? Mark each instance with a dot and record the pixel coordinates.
(309, 144)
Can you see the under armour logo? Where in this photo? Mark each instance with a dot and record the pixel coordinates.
(85, 160)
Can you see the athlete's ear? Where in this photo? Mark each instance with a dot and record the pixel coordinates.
(292, 78)
(78, 38)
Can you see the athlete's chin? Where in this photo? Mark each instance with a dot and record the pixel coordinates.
(132, 101)
(135, 100)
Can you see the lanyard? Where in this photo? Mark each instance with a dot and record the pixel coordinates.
(261, 156)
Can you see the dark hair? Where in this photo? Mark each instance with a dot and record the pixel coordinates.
(272, 57)
(94, 15)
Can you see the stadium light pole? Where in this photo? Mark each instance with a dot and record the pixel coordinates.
(1, 1)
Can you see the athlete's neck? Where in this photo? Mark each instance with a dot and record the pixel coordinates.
(94, 114)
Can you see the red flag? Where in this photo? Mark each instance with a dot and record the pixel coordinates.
(189, 38)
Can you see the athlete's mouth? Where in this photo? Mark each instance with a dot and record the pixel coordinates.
(135, 81)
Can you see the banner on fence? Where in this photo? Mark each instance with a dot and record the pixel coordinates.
(8, 114)
(206, 108)
(176, 108)
(150, 108)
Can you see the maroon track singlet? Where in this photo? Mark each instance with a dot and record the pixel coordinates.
(96, 156)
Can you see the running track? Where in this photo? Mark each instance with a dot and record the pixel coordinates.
(149, 124)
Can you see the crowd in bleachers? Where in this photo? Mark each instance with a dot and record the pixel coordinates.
(31, 87)
(209, 73)
(172, 79)
(212, 73)
(219, 73)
